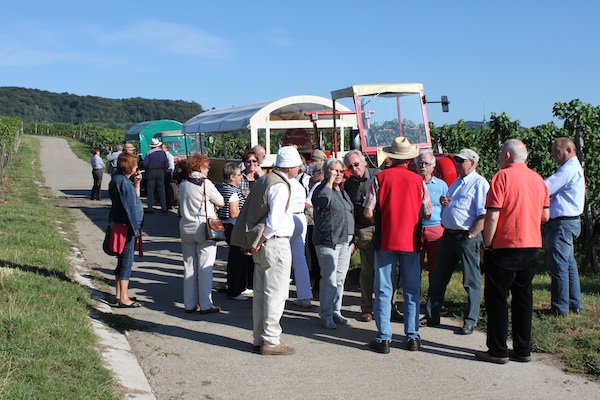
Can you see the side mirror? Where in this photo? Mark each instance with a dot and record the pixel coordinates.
(445, 103)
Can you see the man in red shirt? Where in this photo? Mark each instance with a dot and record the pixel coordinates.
(397, 201)
(517, 204)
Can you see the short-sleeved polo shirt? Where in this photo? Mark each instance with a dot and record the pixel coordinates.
(520, 195)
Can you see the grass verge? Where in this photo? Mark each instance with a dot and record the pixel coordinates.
(47, 347)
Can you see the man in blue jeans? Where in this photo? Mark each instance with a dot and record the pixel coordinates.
(398, 199)
(566, 188)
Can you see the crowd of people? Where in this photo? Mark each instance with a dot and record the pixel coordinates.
(307, 217)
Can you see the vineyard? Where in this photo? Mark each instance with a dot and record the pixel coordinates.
(580, 122)
(10, 135)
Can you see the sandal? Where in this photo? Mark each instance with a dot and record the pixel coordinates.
(135, 304)
(117, 301)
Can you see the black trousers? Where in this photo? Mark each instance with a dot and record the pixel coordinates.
(509, 270)
(312, 260)
(97, 176)
(240, 267)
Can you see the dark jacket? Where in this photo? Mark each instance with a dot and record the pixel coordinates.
(332, 225)
(126, 205)
(357, 190)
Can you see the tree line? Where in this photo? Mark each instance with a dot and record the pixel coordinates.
(33, 105)
(581, 123)
(101, 122)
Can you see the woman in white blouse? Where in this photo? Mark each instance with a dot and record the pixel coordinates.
(199, 254)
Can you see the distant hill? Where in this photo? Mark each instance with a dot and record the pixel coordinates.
(40, 105)
(475, 125)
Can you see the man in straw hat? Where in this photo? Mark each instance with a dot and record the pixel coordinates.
(463, 210)
(401, 200)
(264, 228)
(156, 164)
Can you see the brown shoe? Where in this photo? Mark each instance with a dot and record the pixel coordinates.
(365, 317)
(276, 350)
(212, 310)
(487, 357)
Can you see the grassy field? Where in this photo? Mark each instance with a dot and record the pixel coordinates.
(47, 347)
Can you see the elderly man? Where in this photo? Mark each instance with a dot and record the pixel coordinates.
(517, 203)
(567, 190)
(432, 230)
(357, 187)
(156, 163)
(112, 159)
(264, 228)
(462, 217)
(401, 200)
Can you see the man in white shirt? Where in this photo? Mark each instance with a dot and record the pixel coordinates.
(169, 176)
(264, 228)
(567, 197)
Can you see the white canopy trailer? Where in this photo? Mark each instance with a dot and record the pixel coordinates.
(224, 133)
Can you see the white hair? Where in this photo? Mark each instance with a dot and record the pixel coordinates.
(427, 151)
(517, 150)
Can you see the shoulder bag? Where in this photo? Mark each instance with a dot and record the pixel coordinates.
(214, 227)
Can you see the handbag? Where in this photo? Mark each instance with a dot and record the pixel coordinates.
(115, 238)
(214, 227)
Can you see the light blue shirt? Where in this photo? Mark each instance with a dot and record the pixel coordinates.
(97, 162)
(567, 190)
(467, 202)
(436, 188)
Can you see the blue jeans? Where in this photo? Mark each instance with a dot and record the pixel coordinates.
(334, 263)
(565, 290)
(454, 248)
(385, 273)
(125, 259)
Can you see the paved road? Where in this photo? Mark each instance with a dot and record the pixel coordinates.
(209, 357)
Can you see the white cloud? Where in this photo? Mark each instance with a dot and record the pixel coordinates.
(167, 37)
(278, 36)
(40, 50)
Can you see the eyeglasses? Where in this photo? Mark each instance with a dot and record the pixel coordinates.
(251, 161)
(459, 160)
(353, 165)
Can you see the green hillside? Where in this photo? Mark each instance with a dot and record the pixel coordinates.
(34, 105)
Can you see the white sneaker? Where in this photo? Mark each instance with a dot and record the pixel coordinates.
(239, 297)
(248, 292)
(337, 318)
(306, 303)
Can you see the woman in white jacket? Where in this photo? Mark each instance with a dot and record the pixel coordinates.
(199, 254)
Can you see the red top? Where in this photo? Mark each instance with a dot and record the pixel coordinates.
(520, 195)
(400, 198)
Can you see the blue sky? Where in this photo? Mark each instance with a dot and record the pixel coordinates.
(518, 57)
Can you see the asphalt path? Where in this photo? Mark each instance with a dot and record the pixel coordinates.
(192, 356)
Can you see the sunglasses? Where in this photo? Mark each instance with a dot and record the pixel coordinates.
(353, 165)
(459, 160)
(251, 161)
